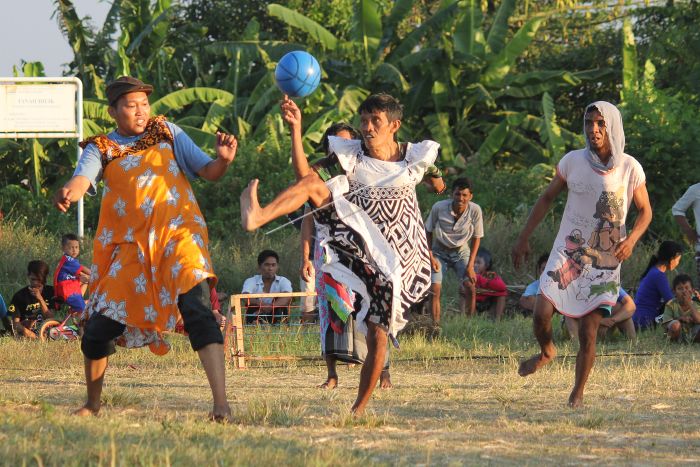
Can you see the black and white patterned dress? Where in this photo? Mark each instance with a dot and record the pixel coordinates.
(373, 235)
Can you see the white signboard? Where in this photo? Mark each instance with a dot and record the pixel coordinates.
(35, 108)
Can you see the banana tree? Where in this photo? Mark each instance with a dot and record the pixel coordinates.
(459, 81)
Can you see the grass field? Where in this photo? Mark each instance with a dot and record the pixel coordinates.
(457, 400)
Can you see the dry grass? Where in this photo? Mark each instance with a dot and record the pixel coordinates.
(639, 409)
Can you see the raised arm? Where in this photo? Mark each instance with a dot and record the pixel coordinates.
(292, 116)
(521, 249)
(226, 146)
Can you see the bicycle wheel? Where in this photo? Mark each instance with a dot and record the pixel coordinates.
(45, 331)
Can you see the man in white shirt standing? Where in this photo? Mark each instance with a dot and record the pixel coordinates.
(454, 230)
(690, 199)
(267, 309)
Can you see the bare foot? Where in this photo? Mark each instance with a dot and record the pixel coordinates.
(331, 383)
(534, 363)
(250, 207)
(86, 411)
(221, 415)
(575, 401)
(385, 380)
(357, 411)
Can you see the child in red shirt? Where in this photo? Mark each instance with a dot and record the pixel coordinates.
(491, 291)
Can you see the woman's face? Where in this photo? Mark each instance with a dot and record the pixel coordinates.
(479, 265)
(673, 264)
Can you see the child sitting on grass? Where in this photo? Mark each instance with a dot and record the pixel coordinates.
(34, 302)
(490, 289)
(681, 318)
(71, 278)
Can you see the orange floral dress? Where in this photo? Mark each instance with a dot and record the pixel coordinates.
(151, 240)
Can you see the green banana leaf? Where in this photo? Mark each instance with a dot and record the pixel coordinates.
(177, 100)
(299, 21)
(469, 35)
(398, 12)
(432, 26)
(388, 73)
(367, 29)
(501, 64)
(496, 39)
(551, 133)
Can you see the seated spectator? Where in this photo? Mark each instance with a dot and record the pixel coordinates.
(620, 318)
(681, 318)
(267, 309)
(71, 278)
(34, 302)
(653, 291)
(490, 289)
(6, 324)
(527, 300)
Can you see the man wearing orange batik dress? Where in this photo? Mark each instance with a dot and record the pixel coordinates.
(151, 264)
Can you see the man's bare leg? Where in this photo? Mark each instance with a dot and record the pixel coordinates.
(435, 301)
(94, 380)
(212, 358)
(542, 327)
(372, 368)
(587, 333)
(332, 380)
(310, 188)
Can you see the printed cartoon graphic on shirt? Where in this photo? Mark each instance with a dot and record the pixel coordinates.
(609, 212)
(598, 255)
(573, 266)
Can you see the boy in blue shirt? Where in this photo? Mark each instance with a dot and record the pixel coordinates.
(70, 278)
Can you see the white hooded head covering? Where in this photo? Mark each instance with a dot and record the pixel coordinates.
(613, 126)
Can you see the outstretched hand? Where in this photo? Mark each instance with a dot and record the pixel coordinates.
(62, 199)
(226, 146)
(291, 113)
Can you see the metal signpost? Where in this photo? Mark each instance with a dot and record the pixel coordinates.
(42, 107)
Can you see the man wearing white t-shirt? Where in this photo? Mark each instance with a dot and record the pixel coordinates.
(582, 276)
(690, 199)
(267, 309)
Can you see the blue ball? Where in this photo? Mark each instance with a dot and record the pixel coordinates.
(298, 74)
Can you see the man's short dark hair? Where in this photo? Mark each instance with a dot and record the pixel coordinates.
(462, 183)
(382, 102)
(39, 268)
(682, 279)
(68, 238)
(266, 254)
(333, 130)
